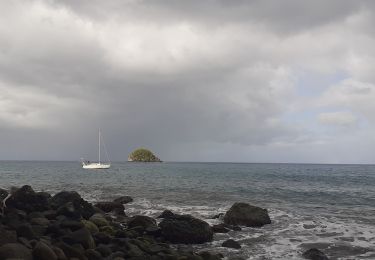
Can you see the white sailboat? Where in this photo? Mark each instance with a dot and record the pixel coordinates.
(99, 164)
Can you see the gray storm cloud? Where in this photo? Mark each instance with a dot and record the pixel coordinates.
(192, 80)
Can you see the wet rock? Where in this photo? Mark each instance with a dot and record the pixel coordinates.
(166, 214)
(83, 207)
(141, 221)
(69, 210)
(123, 199)
(25, 230)
(102, 238)
(220, 228)
(99, 220)
(210, 256)
(104, 250)
(186, 229)
(92, 254)
(15, 251)
(314, 254)
(231, 244)
(81, 236)
(7, 236)
(109, 206)
(90, 226)
(73, 225)
(39, 221)
(71, 252)
(25, 198)
(43, 252)
(59, 253)
(108, 230)
(246, 215)
(220, 215)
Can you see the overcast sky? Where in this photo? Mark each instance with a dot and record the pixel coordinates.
(214, 80)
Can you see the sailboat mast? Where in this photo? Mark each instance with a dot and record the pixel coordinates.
(99, 146)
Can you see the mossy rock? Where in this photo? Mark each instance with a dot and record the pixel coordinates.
(143, 155)
(90, 226)
(108, 230)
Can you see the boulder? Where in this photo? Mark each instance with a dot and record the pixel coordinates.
(166, 214)
(246, 215)
(69, 210)
(220, 228)
(71, 252)
(43, 252)
(231, 244)
(82, 206)
(81, 236)
(109, 206)
(26, 231)
(26, 199)
(99, 220)
(210, 256)
(123, 199)
(186, 229)
(7, 236)
(59, 253)
(90, 226)
(92, 254)
(314, 254)
(15, 251)
(141, 221)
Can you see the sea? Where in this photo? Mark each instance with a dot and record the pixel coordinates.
(329, 207)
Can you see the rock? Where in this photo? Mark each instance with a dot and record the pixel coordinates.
(314, 254)
(93, 254)
(218, 215)
(7, 236)
(43, 252)
(99, 220)
(69, 210)
(123, 199)
(109, 206)
(231, 244)
(104, 250)
(220, 228)
(73, 225)
(26, 231)
(25, 198)
(141, 221)
(71, 252)
(186, 229)
(84, 208)
(39, 221)
(81, 236)
(59, 253)
(90, 226)
(108, 230)
(246, 215)
(102, 238)
(166, 214)
(210, 256)
(15, 251)
(3, 194)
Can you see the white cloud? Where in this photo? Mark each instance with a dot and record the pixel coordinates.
(341, 118)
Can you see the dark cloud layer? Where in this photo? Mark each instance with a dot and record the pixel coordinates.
(193, 80)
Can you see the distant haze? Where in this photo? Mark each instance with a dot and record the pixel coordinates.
(242, 81)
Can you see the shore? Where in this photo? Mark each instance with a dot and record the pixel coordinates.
(36, 225)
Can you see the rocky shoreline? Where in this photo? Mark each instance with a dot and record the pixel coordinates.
(36, 225)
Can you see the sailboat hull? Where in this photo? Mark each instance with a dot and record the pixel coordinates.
(96, 166)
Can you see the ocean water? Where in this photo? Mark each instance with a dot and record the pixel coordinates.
(331, 207)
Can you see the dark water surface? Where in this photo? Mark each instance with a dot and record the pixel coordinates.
(331, 207)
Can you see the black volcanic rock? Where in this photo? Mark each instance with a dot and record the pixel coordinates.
(314, 254)
(25, 198)
(83, 207)
(15, 251)
(141, 221)
(166, 214)
(246, 215)
(108, 206)
(231, 244)
(186, 229)
(123, 199)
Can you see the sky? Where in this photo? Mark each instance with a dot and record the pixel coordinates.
(215, 80)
